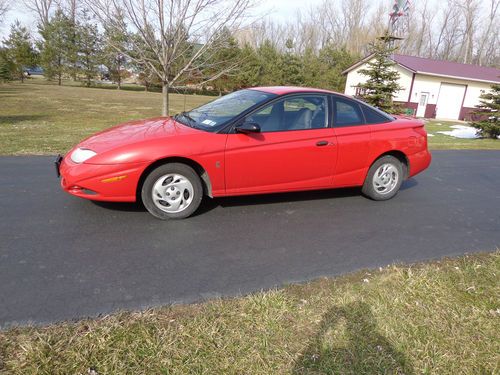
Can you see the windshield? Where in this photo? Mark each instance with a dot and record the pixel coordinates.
(214, 115)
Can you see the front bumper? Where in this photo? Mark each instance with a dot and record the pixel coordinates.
(109, 182)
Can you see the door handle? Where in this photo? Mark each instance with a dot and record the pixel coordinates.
(322, 143)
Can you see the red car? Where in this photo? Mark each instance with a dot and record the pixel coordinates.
(253, 141)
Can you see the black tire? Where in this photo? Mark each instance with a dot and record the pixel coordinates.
(172, 168)
(369, 189)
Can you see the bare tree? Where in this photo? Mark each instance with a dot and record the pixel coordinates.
(175, 39)
(4, 8)
(41, 8)
(470, 9)
(489, 37)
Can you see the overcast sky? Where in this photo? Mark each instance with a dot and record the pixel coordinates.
(279, 10)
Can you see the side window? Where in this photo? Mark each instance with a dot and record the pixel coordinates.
(346, 113)
(373, 116)
(293, 113)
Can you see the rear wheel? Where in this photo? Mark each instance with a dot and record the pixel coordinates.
(384, 178)
(172, 191)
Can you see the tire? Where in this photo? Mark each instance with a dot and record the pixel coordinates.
(384, 178)
(172, 191)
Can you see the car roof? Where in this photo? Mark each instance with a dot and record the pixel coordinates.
(282, 90)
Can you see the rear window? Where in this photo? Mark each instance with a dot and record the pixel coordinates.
(375, 116)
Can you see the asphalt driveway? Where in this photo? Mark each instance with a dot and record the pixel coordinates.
(63, 258)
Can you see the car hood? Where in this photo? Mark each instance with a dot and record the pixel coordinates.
(134, 132)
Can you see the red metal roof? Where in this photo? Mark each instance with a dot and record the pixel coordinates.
(448, 68)
(440, 68)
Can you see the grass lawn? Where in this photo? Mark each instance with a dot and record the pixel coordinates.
(439, 141)
(38, 118)
(435, 318)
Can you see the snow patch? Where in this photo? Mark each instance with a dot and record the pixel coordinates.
(430, 135)
(462, 131)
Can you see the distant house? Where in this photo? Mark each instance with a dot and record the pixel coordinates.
(433, 88)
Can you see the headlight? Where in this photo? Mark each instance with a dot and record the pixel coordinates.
(81, 154)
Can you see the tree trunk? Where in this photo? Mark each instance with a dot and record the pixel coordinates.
(119, 74)
(165, 93)
(59, 73)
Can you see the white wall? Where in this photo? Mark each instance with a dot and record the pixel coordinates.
(423, 83)
(431, 84)
(354, 78)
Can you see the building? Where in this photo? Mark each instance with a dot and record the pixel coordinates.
(433, 88)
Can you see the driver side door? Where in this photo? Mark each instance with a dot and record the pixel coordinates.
(295, 149)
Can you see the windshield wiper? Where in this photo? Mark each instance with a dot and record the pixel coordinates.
(186, 115)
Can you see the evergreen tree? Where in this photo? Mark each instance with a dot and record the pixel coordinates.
(291, 67)
(249, 73)
(224, 56)
(115, 40)
(89, 49)
(488, 112)
(6, 66)
(145, 74)
(312, 70)
(73, 46)
(382, 83)
(332, 62)
(270, 61)
(20, 51)
(56, 46)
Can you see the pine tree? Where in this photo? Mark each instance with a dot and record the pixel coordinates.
(6, 66)
(89, 49)
(20, 51)
(56, 47)
(332, 62)
(382, 83)
(291, 67)
(224, 56)
(488, 112)
(249, 72)
(115, 40)
(145, 74)
(270, 61)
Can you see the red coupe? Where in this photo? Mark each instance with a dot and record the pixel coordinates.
(253, 141)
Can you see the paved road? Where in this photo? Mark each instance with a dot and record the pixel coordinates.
(62, 257)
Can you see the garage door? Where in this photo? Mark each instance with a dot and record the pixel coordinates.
(450, 101)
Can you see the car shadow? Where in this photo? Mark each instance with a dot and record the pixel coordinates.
(349, 342)
(121, 206)
(408, 184)
(252, 200)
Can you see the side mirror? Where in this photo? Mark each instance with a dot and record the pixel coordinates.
(248, 127)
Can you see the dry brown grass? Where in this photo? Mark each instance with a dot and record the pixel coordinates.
(436, 318)
(48, 119)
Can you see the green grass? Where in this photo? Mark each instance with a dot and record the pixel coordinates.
(435, 318)
(445, 142)
(42, 118)
(37, 118)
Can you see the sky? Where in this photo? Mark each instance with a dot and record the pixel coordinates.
(279, 10)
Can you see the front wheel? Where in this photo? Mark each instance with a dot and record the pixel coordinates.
(384, 179)
(172, 191)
